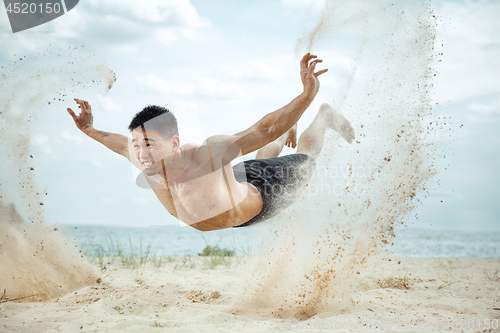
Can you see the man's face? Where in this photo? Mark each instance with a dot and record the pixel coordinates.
(150, 148)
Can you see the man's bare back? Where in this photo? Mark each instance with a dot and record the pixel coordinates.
(196, 183)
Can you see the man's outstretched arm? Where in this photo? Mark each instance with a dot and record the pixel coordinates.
(84, 121)
(274, 124)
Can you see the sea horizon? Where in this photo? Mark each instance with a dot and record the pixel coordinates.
(172, 240)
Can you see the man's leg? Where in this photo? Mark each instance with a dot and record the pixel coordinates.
(311, 141)
(273, 149)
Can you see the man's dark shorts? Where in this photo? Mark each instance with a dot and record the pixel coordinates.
(279, 181)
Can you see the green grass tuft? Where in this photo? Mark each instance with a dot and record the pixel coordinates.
(217, 251)
(493, 276)
(396, 283)
(4, 298)
(450, 277)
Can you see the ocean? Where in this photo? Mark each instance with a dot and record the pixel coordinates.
(183, 241)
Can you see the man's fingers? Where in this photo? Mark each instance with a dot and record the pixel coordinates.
(309, 68)
(84, 106)
(313, 64)
(304, 61)
(304, 58)
(79, 102)
(312, 67)
(72, 114)
(312, 56)
(318, 73)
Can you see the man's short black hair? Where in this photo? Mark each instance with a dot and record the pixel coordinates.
(156, 118)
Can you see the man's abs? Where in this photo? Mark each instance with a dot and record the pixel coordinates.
(212, 205)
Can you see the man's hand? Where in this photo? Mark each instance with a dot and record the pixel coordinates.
(308, 76)
(84, 121)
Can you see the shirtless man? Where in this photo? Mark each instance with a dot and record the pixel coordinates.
(197, 183)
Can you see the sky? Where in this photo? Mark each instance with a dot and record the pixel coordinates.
(221, 66)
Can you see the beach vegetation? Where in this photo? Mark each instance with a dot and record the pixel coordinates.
(446, 284)
(139, 254)
(4, 298)
(493, 276)
(448, 268)
(214, 256)
(132, 257)
(213, 261)
(450, 277)
(217, 251)
(243, 251)
(185, 261)
(402, 283)
(157, 324)
(159, 261)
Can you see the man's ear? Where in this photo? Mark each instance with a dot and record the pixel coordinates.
(175, 143)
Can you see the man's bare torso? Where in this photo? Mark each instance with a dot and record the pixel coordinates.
(202, 193)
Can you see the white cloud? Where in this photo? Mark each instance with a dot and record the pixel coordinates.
(255, 69)
(470, 66)
(472, 23)
(107, 104)
(41, 142)
(110, 24)
(119, 22)
(167, 36)
(177, 12)
(485, 108)
(71, 137)
(140, 200)
(160, 85)
(203, 87)
(317, 4)
(483, 112)
(96, 163)
(211, 87)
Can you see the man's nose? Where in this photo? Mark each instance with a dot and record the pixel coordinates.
(144, 153)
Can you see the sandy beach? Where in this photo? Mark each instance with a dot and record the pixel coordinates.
(187, 295)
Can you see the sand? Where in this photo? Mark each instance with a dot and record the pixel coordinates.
(191, 299)
(35, 258)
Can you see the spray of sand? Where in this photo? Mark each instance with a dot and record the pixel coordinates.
(35, 258)
(359, 192)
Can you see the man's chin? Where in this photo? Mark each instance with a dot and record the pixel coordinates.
(150, 172)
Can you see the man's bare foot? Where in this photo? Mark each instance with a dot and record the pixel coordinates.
(337, 122)
(291, 137)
